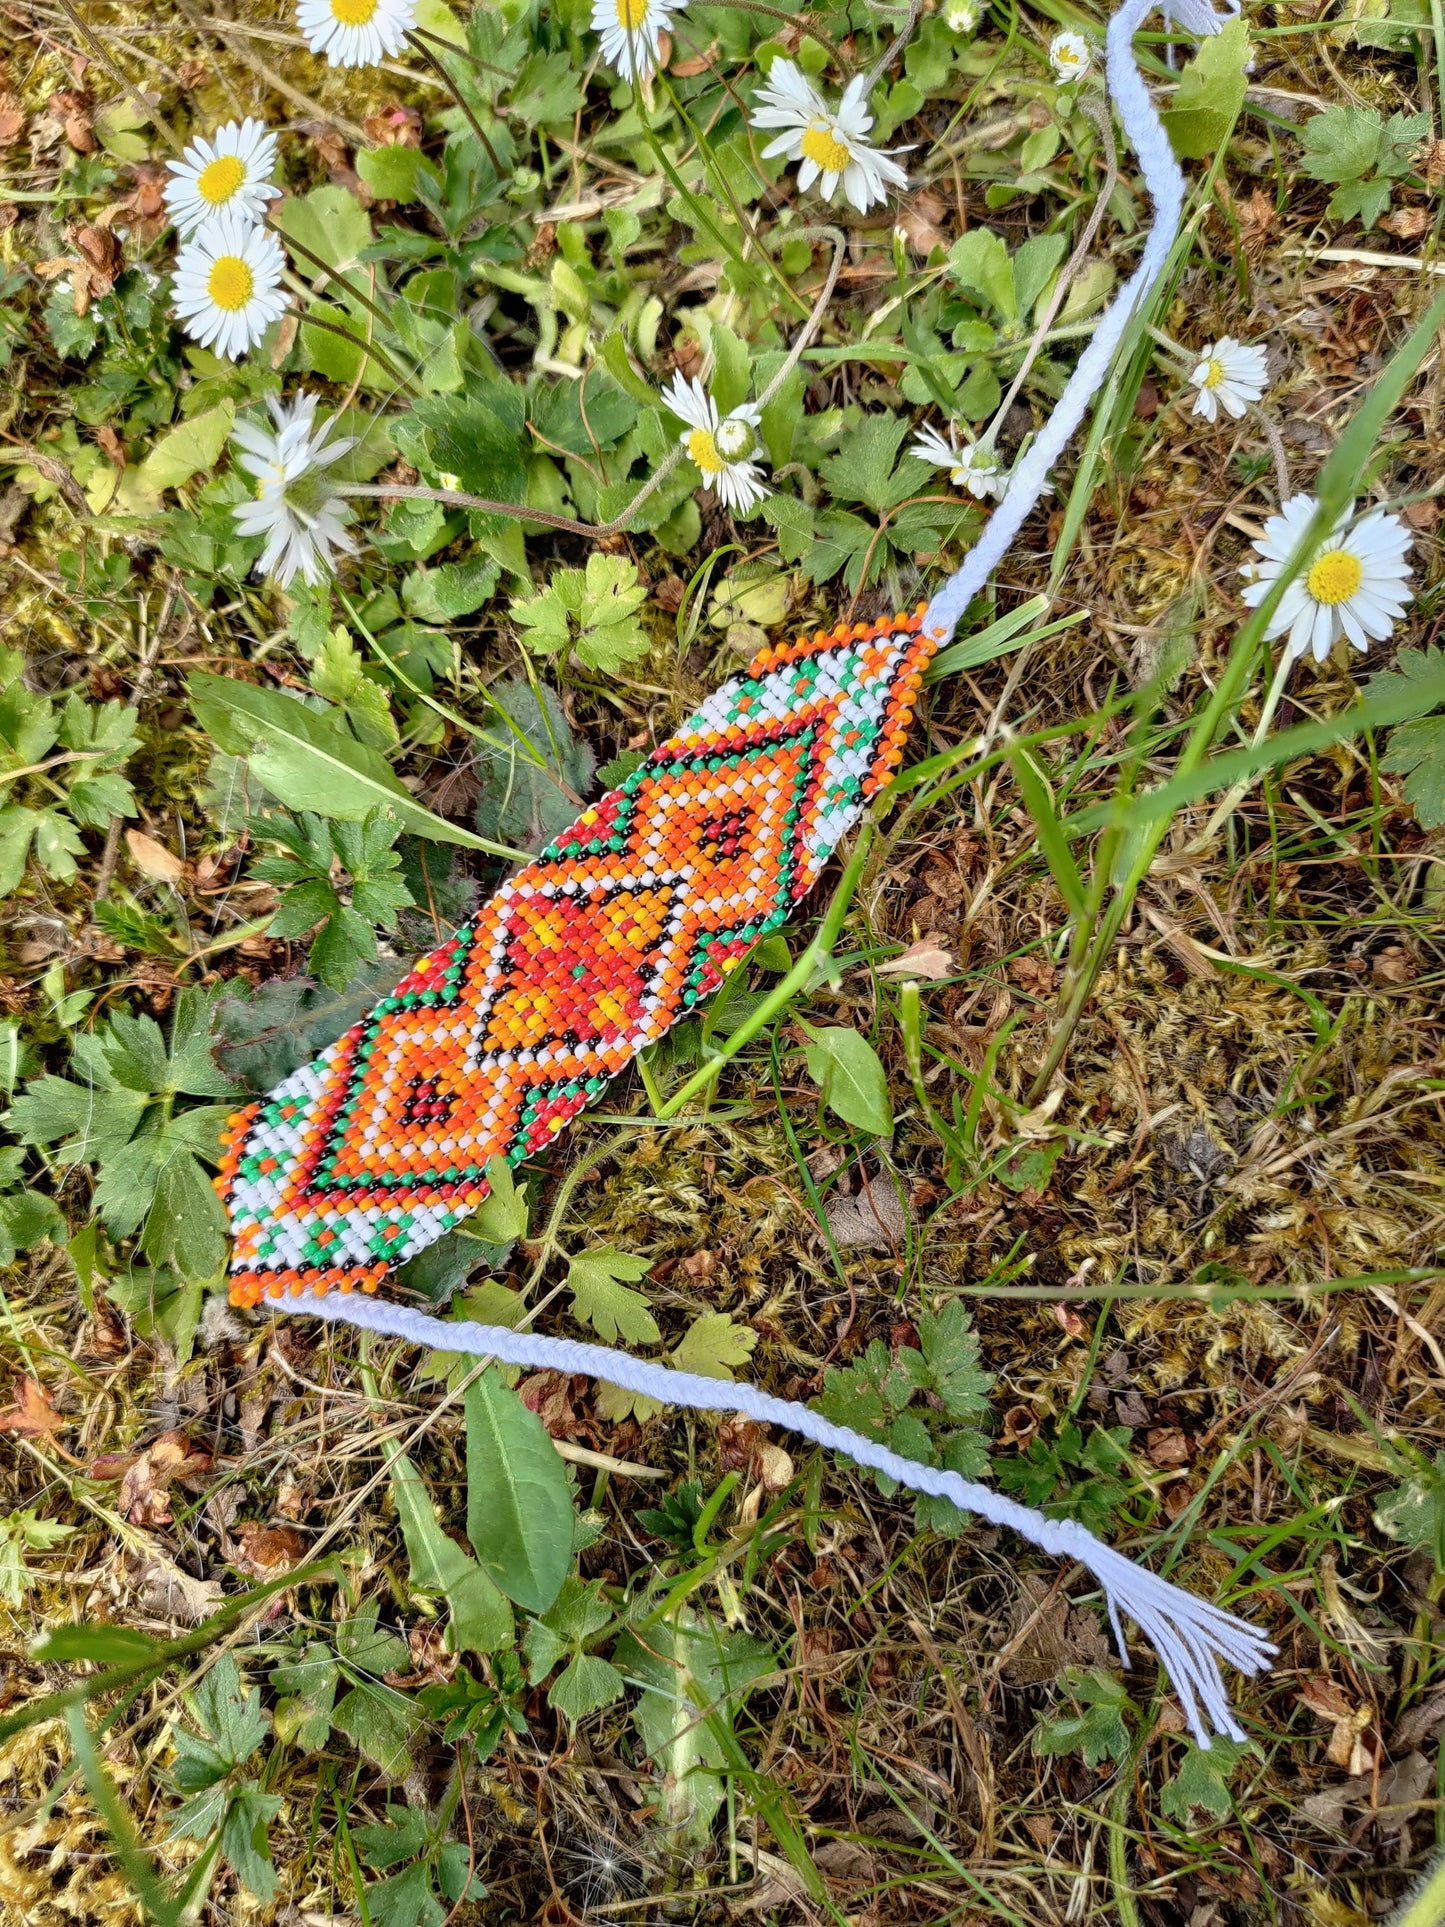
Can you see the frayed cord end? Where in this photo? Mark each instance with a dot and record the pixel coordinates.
(1193, 1638)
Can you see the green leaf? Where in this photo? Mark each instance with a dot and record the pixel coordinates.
(369, 1647)
(230, 1715)
(713, 1344)
(732, 374)
(864, 472)
(481, 1620)
(1414, 1513)
(685, 1665)
(309, 765)
(532, 787)
(1039, 802)
(477, 437)
(308, 1686)
(1203, 1781)
(949, 1346)
(186, 1226)
(186, 450)
(600, 1300)
(978, 261)
(330, 221)
(455, 589)
(1364, 201)
(339, 674)
(1034, 266)
(1342, 143)
(243, 1838)
(519, 1509)
(585, 1684)
(1210, 93)
(1097, 1731)
(1417, 749)
(846, 1067)
(593, 612)
(403, 1899)
(502, 1214)
(380, 1721)
(393, 173)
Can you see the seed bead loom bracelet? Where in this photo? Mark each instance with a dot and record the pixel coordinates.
(628, 920)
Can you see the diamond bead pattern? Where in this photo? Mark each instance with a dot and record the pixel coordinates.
(492, 1042)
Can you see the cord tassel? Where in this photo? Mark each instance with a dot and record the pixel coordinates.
(1191, 1636)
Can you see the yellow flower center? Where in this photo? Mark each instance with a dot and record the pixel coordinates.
(824, 149)
(354, 13)
(219, 179)
(1213, 372)
(231, 283)
(631, 14)
(702, 449)
(1334, 577)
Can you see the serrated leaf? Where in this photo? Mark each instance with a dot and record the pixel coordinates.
(187, 449)
(379, 1721)
(501, 1217)
(584, 1684)
(1097, 1732)
(1341, 144)
(1417, 749)
(1414, 1513)
(1210, 92)
(601, 1300)
(713, 1344)
(1203, 1781)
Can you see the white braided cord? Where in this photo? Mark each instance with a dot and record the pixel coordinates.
(1192, 1637)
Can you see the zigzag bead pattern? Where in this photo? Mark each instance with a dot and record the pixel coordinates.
(494, 1041)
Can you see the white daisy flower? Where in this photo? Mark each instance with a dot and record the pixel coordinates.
(355, 33)
(976, 469)
(227, 288)
(1356, 584)
(630, 30)
(1229, 376)
(1070, 56)
(721, 447)
(228, 174)
(961, 16)
(830, 143)
(295, 505)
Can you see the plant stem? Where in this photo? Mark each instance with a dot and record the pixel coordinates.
(519, 511)
(818, 952)
(442, 75)
(1230, 801)
(362, 347)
